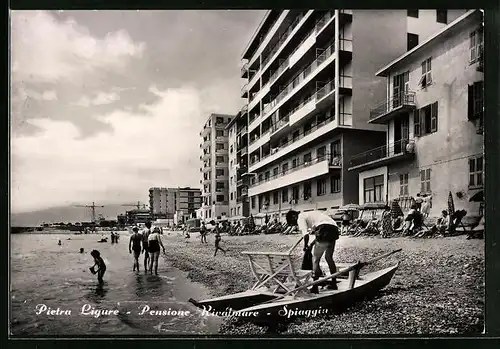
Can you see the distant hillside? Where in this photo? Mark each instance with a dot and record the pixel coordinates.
(64, 214)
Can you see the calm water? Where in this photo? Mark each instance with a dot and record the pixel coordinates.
(58, 277)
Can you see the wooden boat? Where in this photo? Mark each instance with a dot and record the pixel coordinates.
(281, 286)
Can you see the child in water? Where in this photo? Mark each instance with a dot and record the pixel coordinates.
(99, 262)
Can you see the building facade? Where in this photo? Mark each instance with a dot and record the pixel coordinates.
(158, 203)
(432, 112)
(310, 85)
(165, 202)
(214, 170)
(188, 201)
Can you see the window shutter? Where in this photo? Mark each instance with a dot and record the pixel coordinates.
(416, 123)
(434, 116)
(479, 95)
(470, 101)
(422, 181)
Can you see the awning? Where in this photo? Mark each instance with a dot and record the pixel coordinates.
(237, 218)
(477, 196)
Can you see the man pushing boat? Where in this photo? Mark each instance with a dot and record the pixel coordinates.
(326, 233)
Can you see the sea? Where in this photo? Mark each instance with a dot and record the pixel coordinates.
(53, 293)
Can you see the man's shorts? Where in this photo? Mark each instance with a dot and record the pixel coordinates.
(326, 233)
(137, 253)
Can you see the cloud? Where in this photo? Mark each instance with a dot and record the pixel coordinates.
(144, 151)
(102, 98)
(44, 49)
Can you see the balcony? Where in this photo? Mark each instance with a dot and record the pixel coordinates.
(244, 191)
(244, 71)
(398, 104)
(243, 150)
(256, 143)
(207, 169)
(244, 91)
(207, 181)
(206, 143)
(242, 131)
(206, 131)
(254, 123)
(206, 156)
(318, 166)
(318, 130)
(384, 155)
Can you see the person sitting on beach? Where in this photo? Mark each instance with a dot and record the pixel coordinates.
(326, 231)
(218, 239)
(154, 244)
(145, 235)
(99, 262)
(135, 245)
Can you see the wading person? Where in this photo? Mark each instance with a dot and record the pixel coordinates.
(326, 231)
(145, 236)
(154, 244)
(101, 266)
(135, 246)
(203, 233)
(218, 239)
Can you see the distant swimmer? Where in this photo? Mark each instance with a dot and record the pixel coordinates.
(59, 243)
(81, 250)
(145, 236)
(154, 244)
(135, 245)
(99, 262)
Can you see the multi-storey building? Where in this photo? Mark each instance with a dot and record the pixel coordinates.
(215, 173)
(433, 114)
(158, 203)
(238, 149)
(188, 201)
(311, 82)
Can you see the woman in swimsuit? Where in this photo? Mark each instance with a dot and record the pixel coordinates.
(154, 243)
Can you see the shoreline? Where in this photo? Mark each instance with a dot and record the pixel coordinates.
(438, 289)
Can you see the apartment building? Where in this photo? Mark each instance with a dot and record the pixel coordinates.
(238, 149)
(215, 172)
(310, 85)
(433, 114)
(158, 203)
(188, 201)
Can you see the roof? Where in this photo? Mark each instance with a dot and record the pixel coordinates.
(434, 39)
(254, 36)
(233, 120)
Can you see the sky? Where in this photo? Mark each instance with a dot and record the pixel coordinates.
(106, 104)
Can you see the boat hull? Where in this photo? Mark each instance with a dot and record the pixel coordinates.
(326, 301)
(235, 301)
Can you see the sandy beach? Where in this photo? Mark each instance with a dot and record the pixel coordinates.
(438, 289)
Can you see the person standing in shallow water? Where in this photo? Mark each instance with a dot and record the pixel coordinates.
(154, 244)
(135, 246)
(145, 250)
(99, 262)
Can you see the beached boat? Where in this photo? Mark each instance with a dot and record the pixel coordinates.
(282, 288)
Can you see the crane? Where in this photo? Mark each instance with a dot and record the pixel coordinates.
(138, 205)
(92, 207)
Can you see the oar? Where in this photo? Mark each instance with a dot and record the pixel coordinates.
(341, 272)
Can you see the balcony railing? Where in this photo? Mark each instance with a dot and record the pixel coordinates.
(322, 21)
(296, 139)
(401, 99)
(244, 109)
(385, 151)
(244, 69)
(244, 150)
(300, 77)
(282, 122)
(242, 130)
(244, 89)
(333, 160)
(283, 37)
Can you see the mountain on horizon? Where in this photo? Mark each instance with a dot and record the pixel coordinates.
(65, 214)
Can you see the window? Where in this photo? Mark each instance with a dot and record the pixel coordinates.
(307, 190)
(296, 135)
(373, 189)
(219, 185)
(425, 181)
(260, 177)
(219, 133)
(220, 173)
(403, 184)
(335, 184)
(253, 201)
(412, 41)
(442, 16)
(307, 158)
(231, 197)
(295, 163)
(476, 45)
(220, 198)
(267, 175)
(412, 13)
(231, 149)
(276, 197)
(321, 153)
(219, 146)
(307, 128)
(266, 199)
(219, 160)
(284, 168)
(475, 100)
(284, 195)
(275, 171)
(335, 148)
(219, 120)
(320, 187)
(295, 193)
(426, 78)
(476, 173)
(426, 120)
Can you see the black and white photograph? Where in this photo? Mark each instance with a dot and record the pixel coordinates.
(246, 172)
